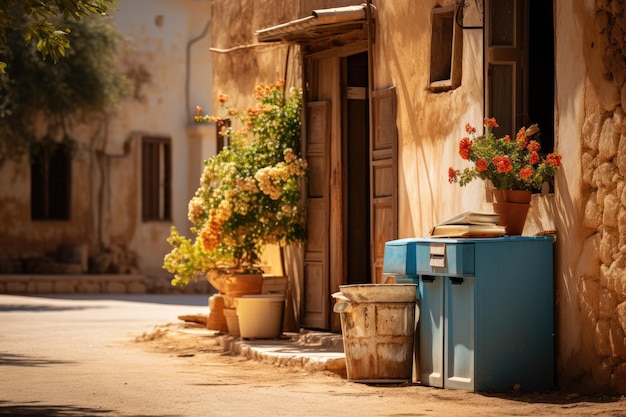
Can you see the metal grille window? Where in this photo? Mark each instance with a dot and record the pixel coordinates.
(51, 179)
(156, 178)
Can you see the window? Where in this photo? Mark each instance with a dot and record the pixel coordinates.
(221, 136)
(50, 181)
(519, 89)
(156, 178)
(445, 50)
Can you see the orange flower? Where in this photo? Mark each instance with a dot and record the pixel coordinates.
(502, 163)
(491, 122)
(526, 173)
(534, 158)
(553, 159)
(198, 110)
(522, 143)
(452, 173)
(533, 146)
(506, 163)
(464, 148)
(222, 98)
(481, 165)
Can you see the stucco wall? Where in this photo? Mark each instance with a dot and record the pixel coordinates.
(588, 208)
(168, 61)
(239, 61)
(429, 124)
(19, 235)
(170, 64)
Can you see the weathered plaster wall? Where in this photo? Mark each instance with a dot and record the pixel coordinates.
(167, 58)
(170, 64)
(587, 209)
(18, 233)
(429, 124)
(239, 61)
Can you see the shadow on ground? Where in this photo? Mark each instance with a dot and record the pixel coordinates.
(556, 397)
(9, 359)
(8, 408)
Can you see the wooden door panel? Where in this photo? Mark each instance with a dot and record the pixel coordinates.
(384, 123)
(315, 291)
(383, 168)
(383, 178)
(317, 126)
(317, 183)
(317, 234)
(382, 232)
(316, 307)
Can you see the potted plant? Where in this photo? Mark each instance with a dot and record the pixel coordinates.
(515, 168)
(249, 195)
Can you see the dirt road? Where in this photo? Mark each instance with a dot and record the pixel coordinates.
(100, 356)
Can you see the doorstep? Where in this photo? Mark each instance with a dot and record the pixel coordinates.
(308, 349)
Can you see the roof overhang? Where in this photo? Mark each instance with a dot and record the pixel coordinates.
(337, 25)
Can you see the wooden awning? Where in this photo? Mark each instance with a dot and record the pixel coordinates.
(335, 26)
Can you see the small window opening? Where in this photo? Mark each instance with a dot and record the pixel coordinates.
(223, 125)
(445, 50)
(51, 179)
(156, 178)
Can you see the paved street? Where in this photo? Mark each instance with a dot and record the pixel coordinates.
(72, 355)
(63, 356)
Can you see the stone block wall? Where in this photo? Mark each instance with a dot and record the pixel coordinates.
(602, 283)
(95, 284)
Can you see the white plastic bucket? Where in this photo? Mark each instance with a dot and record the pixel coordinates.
(260, 316)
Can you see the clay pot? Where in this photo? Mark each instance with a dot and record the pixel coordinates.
(512, 196)
(512, 208)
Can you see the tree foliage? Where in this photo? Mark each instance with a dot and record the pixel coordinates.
(35, 91)
(45, 22)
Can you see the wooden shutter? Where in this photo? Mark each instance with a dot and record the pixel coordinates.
(316, 255)
(384, 176)
(504, 77)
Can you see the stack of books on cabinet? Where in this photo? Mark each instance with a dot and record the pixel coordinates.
(470, 224)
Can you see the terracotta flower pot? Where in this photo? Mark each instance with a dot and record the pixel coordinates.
(233, 285)
(512, 208)
(512, 196)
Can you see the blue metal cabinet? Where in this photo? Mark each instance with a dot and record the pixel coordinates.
(486, 321)
(399, 261)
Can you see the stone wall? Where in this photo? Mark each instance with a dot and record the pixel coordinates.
(602, 281)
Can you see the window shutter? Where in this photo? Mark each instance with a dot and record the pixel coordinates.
(504, 61)
(384, 177)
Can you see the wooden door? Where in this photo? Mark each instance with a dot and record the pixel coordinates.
(384, 177)
(316, 253)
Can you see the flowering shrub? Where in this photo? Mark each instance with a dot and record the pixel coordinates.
(249, 193)
(508, 164)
